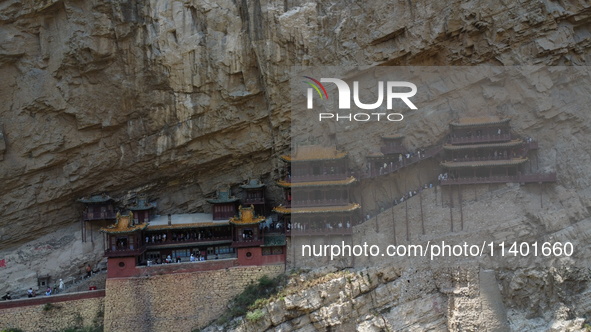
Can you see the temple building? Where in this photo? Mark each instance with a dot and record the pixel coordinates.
(317, 193)
(123, 240)
(137, 241)
(254, 192)
(99, 210)
(142, 209)
(390, 157)
(483, 150)
(224, 205)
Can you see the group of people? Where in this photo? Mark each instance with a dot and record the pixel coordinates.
(195, 257)
(317, 225)
(180, 236)
(403, 159)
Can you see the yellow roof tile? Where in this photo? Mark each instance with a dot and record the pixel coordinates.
(318, 209)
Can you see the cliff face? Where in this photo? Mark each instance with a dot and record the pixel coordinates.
(179, 97)
(176, 98)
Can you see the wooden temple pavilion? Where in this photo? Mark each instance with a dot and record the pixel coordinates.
(224, 205)
(317, 192)
(483, 150)
(391, 155)
(134, 241)
(142, 209)
(99, 210)
(254, 194)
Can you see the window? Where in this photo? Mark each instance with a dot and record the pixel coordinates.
(224, 250)
(181, 253)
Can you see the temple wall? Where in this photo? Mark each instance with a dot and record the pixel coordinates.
(55, 313)
(176, 302)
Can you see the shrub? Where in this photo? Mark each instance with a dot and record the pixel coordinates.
(253, 316)
(252, 298)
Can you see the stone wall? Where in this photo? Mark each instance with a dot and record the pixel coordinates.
(176, 302)
(54, 314)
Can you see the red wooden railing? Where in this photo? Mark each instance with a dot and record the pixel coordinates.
(317, 202)
(99, 215)
(480, 139)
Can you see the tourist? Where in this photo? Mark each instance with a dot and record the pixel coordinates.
(62, 285)
(7, 296)
(30, 292)
(192, 258)
(48, 291)
(88, 271)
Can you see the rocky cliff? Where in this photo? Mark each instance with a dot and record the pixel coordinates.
(176, 98)
(179, 97)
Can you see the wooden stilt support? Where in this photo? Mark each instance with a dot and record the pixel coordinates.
(393, 225)
(461, 208)
(436, 185)
(451, 204)
(83, 229)
(541, 193)
(422, 219)
(407, 228)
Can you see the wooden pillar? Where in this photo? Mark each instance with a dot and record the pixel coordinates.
(407, 224)
(451, 203)
(541, 192)
(421, 204)
(461, 208)
(83, 229)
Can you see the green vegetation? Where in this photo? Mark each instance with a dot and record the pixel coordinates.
(253, 316)
(12, 330)
(253, 298)
(49, 307)
(84, 329)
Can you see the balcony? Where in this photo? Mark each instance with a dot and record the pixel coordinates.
(124, 251)
(247, 243)
(524, 178)
(393, 149)
(317, 202)
(254, 200)
(479, 159)
(319, 177)
(320, 232)
(99, 215)
(480, 139)
(186, 242)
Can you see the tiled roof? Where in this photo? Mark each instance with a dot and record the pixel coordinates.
(252, 184)
(223, 197)
(186, 226)
(374, 154)
(512, 143)
(123, 225)
(343, 182)
(246, 217)
(479, 121)
(142, 204)
(95, 199)
(318, 209)
(486, 163)
(314, 152)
